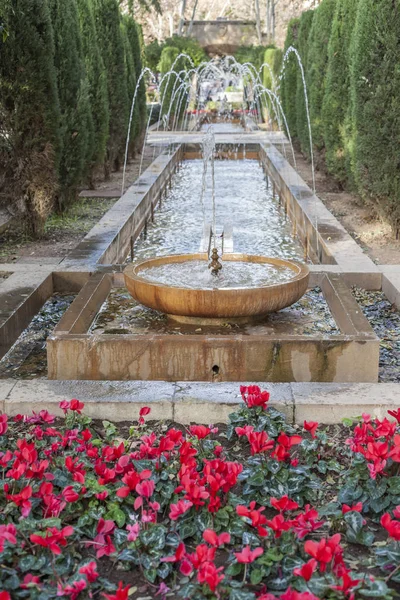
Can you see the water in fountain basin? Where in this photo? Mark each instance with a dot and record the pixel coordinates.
(234, 274)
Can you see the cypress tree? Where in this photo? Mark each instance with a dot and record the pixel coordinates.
(375, 89)
(289, 79)
(336, 107)
(272, 56)
(317, 63)
(29, 136)
(302, 123)
(131, 83)
(97, 82)
(108, 21)
(73, 91)
(135, 38)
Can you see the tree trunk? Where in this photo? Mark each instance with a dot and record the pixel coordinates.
(268, 20)
(273, 6)
(189, 31)
(258, 20)
(182, 17)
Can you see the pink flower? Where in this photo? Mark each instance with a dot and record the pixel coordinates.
(3, 424)
(216, 540)
(89, 571)
(178, 509)
(69, 494)
(30, 581)
(73, 590)
(247, 556)
(133, 532)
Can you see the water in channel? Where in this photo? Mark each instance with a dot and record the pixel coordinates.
(244, 201)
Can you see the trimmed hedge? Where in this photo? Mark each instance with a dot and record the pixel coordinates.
(306, 21)
(67, 75)
(289, 78)
(30, 136)
(108, 23)
(336, 106)
(97, 82)
(317, 63)
(375, 83)
(73, 92)
(171, 83)
(351, 58)
(273, 57)
(251, 54)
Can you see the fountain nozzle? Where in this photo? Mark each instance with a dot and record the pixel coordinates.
(215, 265)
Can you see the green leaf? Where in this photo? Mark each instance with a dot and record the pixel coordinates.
(377, 589)
(237, 594)
(349, 494)
(26, 563)
(394, 485)
(354, 520)
(256, 576)
(164, 570)
(234, 569)
(187, 530)
(274, 466)
(257, 479)
(150, 574)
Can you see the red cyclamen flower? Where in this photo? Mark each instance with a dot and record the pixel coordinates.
(213, 539)
(284, 504)
(3, 424)
(311, 426)
(122, 593)
(247, 555)
(307, 570)
(89, 571)
(178, 509)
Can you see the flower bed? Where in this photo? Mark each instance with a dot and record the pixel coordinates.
(257, 510)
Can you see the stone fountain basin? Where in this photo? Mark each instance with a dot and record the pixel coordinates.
(225, 303)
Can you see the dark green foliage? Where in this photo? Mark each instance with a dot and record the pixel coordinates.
(273, 57)
(169, 87)
(108, 26)
(289, 79)
(97, 81)
(153, 55)
(131, 82)
(375, 88)
(303, 135)
(317, 63)
(251, 54)
(189, 46)
(73, 92)
(30, 115)
(135, 39)
(336, 107)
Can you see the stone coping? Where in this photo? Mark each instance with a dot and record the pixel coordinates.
(206, 403)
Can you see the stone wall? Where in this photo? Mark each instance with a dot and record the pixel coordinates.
(162, 26)
(223, 37)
